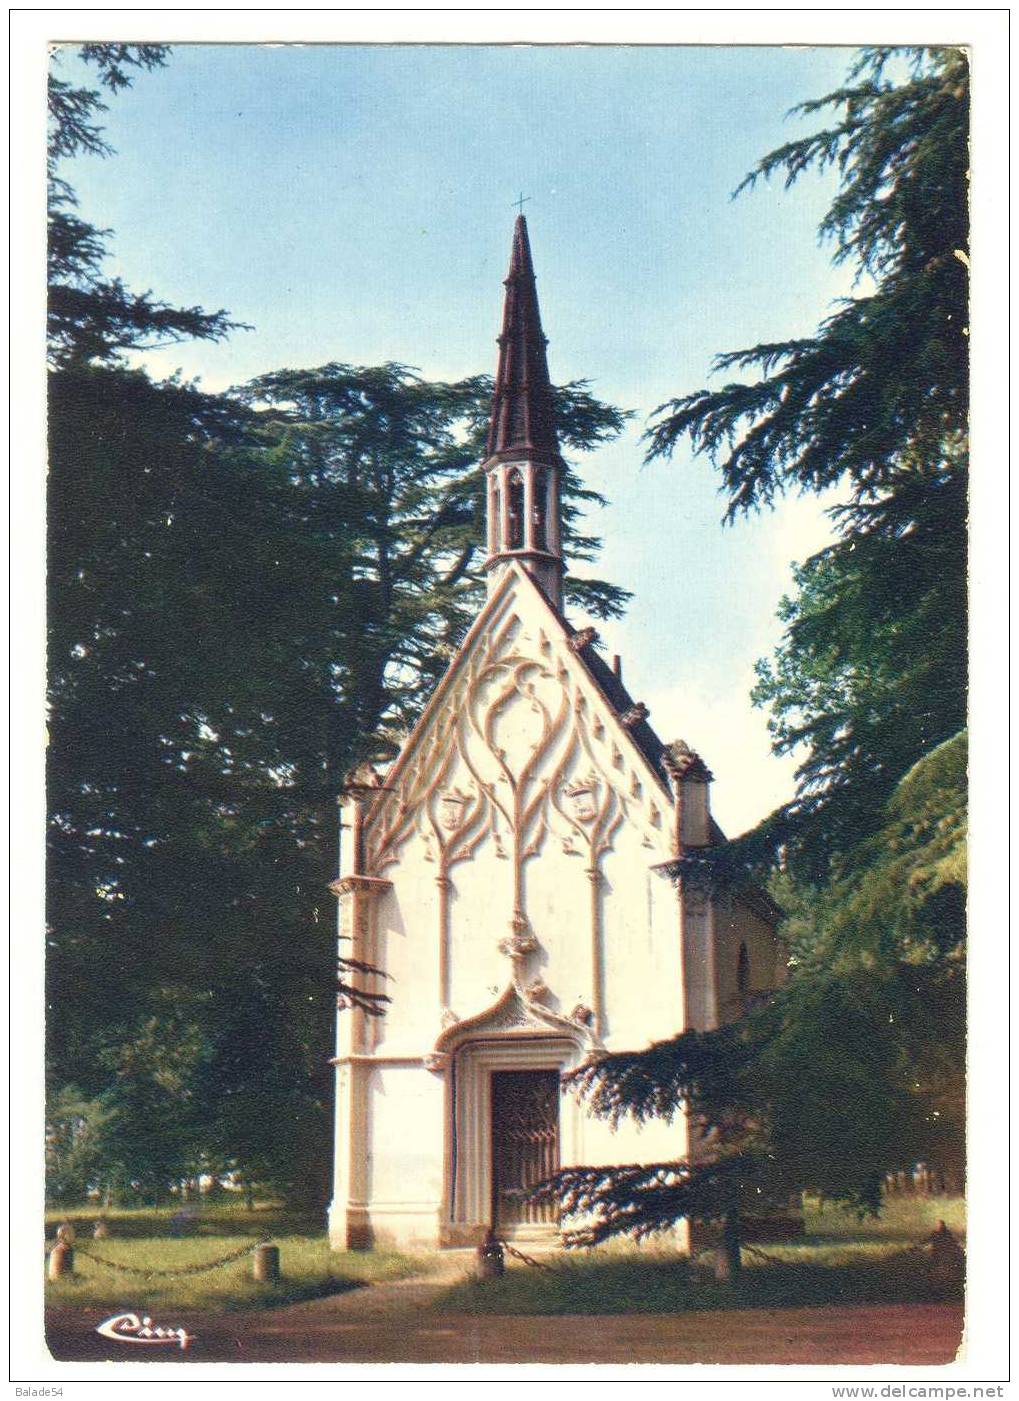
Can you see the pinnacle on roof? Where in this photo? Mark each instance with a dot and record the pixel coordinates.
(523, 420)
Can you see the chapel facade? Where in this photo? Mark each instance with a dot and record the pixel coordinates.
(515, 874)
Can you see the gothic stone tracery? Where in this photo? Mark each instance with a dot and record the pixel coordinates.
(516, 755)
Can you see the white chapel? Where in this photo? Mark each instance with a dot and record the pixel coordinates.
(516, 875)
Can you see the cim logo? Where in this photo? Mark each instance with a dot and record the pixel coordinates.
(129, 1328)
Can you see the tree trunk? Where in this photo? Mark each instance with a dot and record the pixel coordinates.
(727, 1253)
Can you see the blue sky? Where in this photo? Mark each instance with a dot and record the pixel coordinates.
(355, 203)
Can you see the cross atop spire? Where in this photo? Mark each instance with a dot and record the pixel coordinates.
(523, 420)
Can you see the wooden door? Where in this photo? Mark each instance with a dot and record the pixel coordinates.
(525, 1143)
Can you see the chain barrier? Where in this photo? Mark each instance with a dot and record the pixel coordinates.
(909, 1250)
(552, 1269)
(168, 1274)
(921, 1248)
(906, 1252)
(752, 1251)
(525, 1259)
(756, 1254)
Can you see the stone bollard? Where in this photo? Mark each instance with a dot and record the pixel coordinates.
(725, 1269)
(491, 1263)
(184, 1222)
(266, 1265)
(61, 1261)
(727, 1253)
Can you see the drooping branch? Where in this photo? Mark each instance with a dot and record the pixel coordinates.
(658, 1082)
(641, 1201)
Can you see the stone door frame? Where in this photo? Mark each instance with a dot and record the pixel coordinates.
(467, 1204)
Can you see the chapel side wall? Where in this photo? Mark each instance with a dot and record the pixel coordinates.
(405, 1170)
(480, 907)
(642, 943)
(700, 960)
(656, 1141)
(406, 949)
(736, 923)
(390, 1127)
(621, 930)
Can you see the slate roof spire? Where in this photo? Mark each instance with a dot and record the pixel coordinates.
(522, 466)
(523, 420)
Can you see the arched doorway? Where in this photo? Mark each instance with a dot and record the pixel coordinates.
(508, 1125)
(524, 1145)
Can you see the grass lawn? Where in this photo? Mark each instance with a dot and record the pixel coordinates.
(150, 1239)
(840, 1260)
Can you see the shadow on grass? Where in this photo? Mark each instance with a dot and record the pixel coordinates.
(142, 1263)
(183, 1220)
(130, 1294)
(677, 1286)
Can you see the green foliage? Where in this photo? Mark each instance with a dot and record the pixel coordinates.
(871, 674)
(887, 374)
(855, 1067)
(392, 461)
(248, 593)
(75, 1155)
(244, 602)
(892, 929)
(147, 1240)
(903, 897)
(839, 1260)
(194, 624)
(91, 317)
(175, 554)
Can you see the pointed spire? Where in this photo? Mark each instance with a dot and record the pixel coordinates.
(523, 420)
(522, 466)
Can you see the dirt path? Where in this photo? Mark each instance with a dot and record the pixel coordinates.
(394, 1323)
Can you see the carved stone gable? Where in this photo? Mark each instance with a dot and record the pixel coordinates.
(516, 745)
(514, 1012)
(517, 1012)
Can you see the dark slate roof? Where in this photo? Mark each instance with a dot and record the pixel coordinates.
(523, 417)
(616, 694)
(619, 698)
